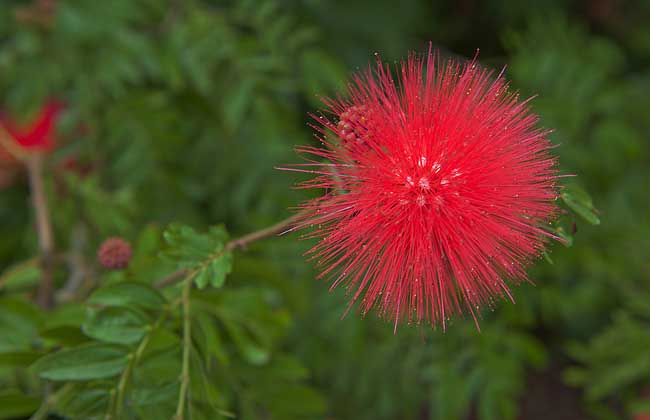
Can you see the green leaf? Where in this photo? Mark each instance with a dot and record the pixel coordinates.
(127, 294)
(68, 315)
(78, 400)
(221, 268)
(204, 253)
(64, 335)
(237, 100)
(547, 257)
(85, 362)
(159, 367)
(203, 276)
(23, 274)
(155, 394)
(254, 352)
(188, 248)
(562, 232)
(580, 202)
(209, 339)
(116, 325)
(14, 404)
(19, 323)
(14, 359)
(63, 325)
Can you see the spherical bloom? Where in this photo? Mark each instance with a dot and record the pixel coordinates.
(115, 253)
(439, 189)
(39, 134)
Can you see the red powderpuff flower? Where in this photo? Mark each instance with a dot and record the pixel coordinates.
(39, 134)
(439, 189)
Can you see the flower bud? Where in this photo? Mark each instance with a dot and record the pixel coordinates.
(115, 253)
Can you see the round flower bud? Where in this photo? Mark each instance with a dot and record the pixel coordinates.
(115, 253)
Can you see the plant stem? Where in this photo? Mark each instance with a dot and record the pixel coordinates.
(170, 279)
(241, 242)
(187, 344)
(44, 408)
(277, 228)
(49, 400)
(117, 402)
(45, 292)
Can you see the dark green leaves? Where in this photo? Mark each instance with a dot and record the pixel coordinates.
(126, 294)
(19, 323)
(615, 359)
(116, 325)
(85, 362)
(205, 255)
(14, 404)
(18, 358)
(22, 274)
(580, 202)
(124, 315)
(79, 400)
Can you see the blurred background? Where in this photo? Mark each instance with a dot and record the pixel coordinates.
(179, 110)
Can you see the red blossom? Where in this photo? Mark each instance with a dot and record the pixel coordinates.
(439, 189)
(39, 134)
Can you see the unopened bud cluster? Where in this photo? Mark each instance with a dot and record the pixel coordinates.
(115, 253)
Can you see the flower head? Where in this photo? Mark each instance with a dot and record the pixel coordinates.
(115, 253)
(39, 134)
(439, 188)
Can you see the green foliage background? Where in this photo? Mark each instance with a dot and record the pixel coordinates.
(182, 109)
